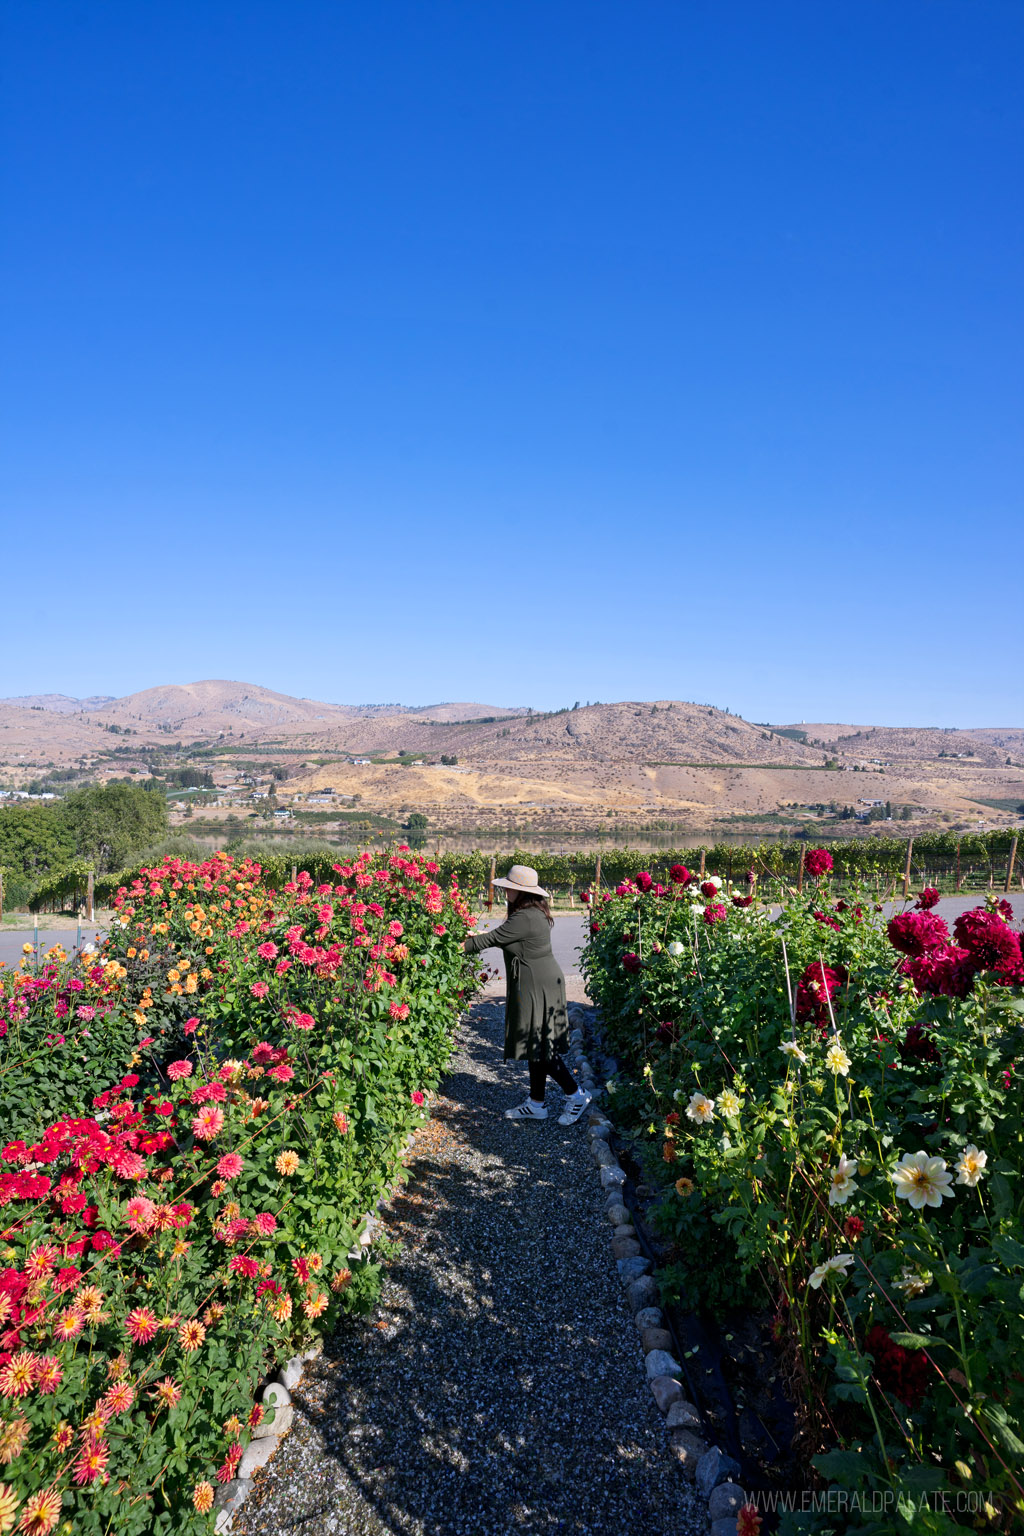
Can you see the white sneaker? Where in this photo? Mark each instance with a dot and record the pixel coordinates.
(575, 1104)
(526, 1111)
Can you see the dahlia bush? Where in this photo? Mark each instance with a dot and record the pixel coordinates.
(259, 1059)
(829, 1107)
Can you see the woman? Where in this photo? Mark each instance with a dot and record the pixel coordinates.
(536, 1021)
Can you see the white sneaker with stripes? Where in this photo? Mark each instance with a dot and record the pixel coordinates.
(575, 1104)
(528, 1110)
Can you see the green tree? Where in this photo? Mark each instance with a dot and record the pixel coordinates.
(34, 839)
(417, 822)
(112, 823)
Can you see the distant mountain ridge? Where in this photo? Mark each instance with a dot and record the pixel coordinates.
(61, 703)
(212, 706)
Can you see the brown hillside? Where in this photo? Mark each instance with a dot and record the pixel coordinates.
(989, 746)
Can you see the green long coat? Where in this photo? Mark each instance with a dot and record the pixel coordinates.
(536, 1021)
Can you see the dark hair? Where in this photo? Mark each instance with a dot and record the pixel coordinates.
(524, 899)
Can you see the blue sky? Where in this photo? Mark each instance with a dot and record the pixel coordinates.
(687, 336)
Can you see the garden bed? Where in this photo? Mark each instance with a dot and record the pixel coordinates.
(825, 1111)
(201, 1120)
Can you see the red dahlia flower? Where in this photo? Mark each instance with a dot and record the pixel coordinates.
(990, 943)
(631, 963)
(679, 874)
(903, 1372)
(815, 989)
(946, 971)
(928, 898)
(915, 933)
(817, 862)
(917, 1045)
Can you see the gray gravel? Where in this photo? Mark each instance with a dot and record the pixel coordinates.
(506, 1390)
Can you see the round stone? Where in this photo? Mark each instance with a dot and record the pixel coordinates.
(650, 1317)
(726, 1501)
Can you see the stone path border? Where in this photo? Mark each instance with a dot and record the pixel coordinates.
(712, 1470)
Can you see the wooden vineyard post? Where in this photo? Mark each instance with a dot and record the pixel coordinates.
(90, 893)
(294, 874)
(958, 864)
(702, 865)
(906, 869)
(1006, 887)
(597, 877)
(800, 872)
(490, 887)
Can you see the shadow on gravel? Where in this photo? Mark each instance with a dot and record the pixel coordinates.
(499, 1385)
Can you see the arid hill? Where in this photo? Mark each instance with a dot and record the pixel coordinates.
(195, 710)
(643, 761)
(60, 703)
(990, 745)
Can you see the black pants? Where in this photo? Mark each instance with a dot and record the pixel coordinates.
(554, 1067)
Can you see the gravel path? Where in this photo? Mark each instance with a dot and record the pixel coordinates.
(499, 1386)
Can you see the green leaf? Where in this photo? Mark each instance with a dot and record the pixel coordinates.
(1010, 1251)
(914, 1340)
(847, 1468)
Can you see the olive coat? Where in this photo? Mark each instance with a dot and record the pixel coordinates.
(536, 1020)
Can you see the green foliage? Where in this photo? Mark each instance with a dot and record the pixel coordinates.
(209, 1116)
(111, 822)
(34, 838)
(908, 1349)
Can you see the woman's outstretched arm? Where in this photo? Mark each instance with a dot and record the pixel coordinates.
(495, 938)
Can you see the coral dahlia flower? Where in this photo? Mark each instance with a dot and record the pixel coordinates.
(191, 1335)
(168, 1392)
(41, 1512)
(9, 1502)
(92, 1462)
(208, 1123)
(202, 1497)
(140, 1325)
(19, 1374)
(49, 1374)
(230, 1165)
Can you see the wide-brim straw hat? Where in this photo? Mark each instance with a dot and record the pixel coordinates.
(523, 879)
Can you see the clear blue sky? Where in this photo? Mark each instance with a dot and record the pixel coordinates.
(685, 335)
